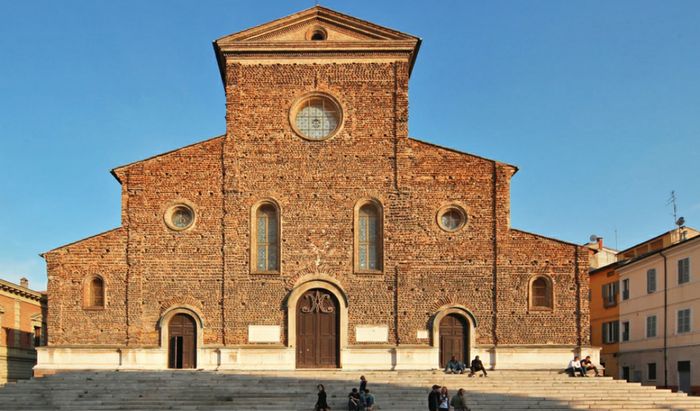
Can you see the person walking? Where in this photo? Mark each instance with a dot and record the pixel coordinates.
(434, 398)
(459, 401)
(322, 402)
(444, 404)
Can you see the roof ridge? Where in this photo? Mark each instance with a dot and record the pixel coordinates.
(115, 169)
(462, 152)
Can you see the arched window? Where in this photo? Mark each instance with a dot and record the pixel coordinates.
(94, 294)
(266, 238)
(368, 237)
(541, 293)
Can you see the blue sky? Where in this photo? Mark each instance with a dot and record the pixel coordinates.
(597, 102)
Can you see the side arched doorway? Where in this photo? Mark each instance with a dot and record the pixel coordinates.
(317, 335)
(182, 342)
(454, 339)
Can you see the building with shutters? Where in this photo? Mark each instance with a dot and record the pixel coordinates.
(21, 329)
(659, 303)
(315, 233)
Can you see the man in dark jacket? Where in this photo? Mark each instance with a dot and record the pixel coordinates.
(434, 398)
(477, 365)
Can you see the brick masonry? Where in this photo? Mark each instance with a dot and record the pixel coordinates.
(148, 268)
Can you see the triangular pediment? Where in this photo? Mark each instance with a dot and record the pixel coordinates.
(296, 36)
(336, 27)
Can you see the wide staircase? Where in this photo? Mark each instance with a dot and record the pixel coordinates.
(296, 391)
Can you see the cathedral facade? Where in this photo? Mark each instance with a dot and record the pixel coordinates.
(315, 233)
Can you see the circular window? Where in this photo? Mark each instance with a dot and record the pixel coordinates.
(451, 218)
(317, 33)
(316, 117)
(179, 217)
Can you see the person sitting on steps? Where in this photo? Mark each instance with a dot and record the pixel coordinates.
(369, 401)
(354, 400)
(477, 365)
(587, 364)
(454, 367)
(574, 367)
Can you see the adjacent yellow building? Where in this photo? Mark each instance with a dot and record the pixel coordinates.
(22, 328)
(660, 317)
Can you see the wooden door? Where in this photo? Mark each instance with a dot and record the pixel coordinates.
(182, 342)
(317, 330)
(454, 339)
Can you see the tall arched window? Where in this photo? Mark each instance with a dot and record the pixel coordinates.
(94, 294)
(541, 293)
(266, 238)
(368, 237)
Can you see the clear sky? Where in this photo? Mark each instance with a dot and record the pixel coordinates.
(597, 102)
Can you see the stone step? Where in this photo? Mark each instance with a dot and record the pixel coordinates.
(291, 391)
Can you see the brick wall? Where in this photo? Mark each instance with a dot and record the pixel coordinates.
(486, 266)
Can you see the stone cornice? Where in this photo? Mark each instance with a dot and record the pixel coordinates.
(20, 291)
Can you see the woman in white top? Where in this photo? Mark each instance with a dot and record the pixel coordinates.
(444, 400)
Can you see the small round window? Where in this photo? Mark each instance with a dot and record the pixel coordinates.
(316, 117)
(451, 218)
(179, 217)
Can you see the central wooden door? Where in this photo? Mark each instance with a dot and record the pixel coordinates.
(317, 330)
(182, 342)
(454, 339)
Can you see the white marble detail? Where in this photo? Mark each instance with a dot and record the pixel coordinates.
(372, 333)
(277, 357)
(264, 333)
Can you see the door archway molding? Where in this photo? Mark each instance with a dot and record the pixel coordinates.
(165, 321)
(460, 310)
(329, 285)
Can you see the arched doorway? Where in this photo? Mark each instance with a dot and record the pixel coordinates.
(454, 339)
(182, 342)
(317, 323)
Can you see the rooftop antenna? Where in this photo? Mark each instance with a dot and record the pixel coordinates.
(679, 221)
(672, 201)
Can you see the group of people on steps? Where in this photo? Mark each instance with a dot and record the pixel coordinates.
(363, 400)
(358, 400)
(439, 400)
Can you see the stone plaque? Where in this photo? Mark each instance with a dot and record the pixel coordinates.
(372, 333)
(263, 333)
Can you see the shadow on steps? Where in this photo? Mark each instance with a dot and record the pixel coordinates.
(296, 390)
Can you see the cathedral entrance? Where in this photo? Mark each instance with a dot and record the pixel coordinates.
(317, 330)
(182, 342)
(454, 339)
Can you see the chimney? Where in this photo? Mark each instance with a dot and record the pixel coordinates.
(23, 282)
(600, 243)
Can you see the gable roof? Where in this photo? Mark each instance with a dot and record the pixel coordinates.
(344, 33)
(116, 170)
(463, 153)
